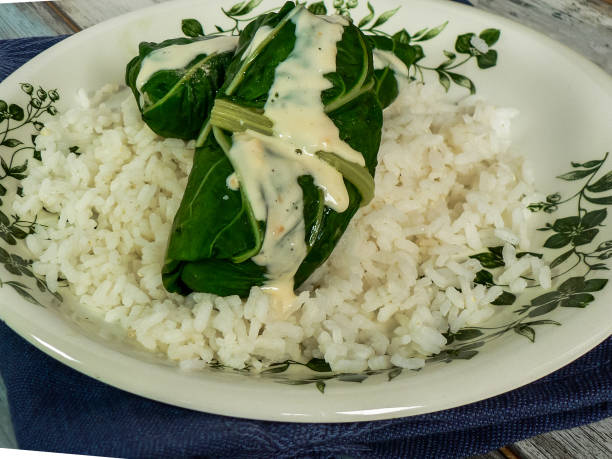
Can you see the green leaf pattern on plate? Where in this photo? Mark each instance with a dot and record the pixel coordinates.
(571, 247)
(14, 152)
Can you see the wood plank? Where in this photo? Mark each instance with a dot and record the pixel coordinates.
(19, 20)
(593, 441)
(57, 11)
(584, 26)
(86, 13)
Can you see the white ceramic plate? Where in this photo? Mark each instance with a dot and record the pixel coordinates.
(564, 102)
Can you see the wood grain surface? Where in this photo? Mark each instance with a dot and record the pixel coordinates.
(29, 20)
(589, 442)
(583, 25)
(98, 11)
(593, 441)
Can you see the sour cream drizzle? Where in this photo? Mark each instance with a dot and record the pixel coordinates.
(384, 59)
(259, 37)
(268, 167)
(178, 56)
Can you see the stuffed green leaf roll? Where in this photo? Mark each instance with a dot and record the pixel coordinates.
(283, 162)
(175, 82)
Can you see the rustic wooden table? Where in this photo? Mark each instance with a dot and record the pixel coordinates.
(584, 25)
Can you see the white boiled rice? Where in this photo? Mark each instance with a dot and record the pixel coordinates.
(447, 187)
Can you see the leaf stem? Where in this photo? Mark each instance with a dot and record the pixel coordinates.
(459, 63)
(271, 10)
(568, 270)
(435, 69)
(236, 118)
(6, 131)
(378, 32)
(568, 199)
(358, 175)
(15, 154)
(418, 67)
(580, 208)
(502, 329)
(257, 232)
(249, 59)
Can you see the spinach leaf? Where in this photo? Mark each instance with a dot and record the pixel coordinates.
(211, 227)
(400, 45)
(215, 234)
(250, 77)
(386, 86)
(175, 102)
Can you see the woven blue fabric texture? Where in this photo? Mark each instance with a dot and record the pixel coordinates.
(55, 408)
(15, 53)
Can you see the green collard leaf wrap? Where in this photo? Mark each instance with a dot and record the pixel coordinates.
(175, 102)
(386, 87)
(215, 233)
(400, 46)
(212, 227)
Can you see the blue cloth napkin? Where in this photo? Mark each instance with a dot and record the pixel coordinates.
(55, 408)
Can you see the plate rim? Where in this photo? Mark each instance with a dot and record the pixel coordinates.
(38, 336)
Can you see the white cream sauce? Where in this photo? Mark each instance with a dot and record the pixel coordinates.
(178, 56)
(384, 59)
(261, 34)
(268, 167)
